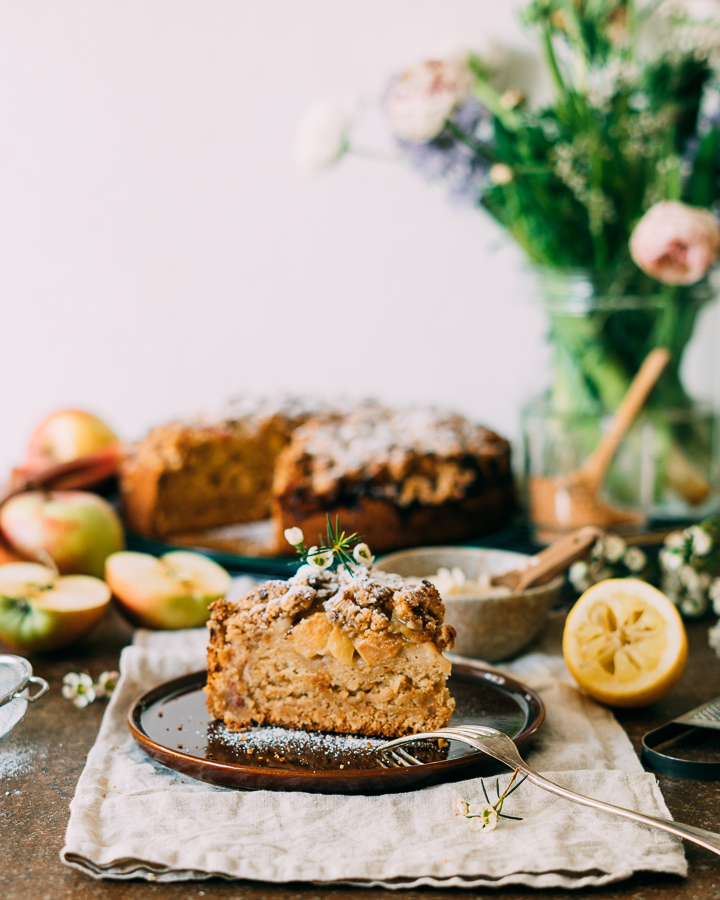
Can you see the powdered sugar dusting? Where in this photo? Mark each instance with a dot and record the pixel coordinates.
(18, 759)
(276, 739)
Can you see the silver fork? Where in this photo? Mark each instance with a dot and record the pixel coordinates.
(501, 747)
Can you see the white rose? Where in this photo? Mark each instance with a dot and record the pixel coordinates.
(323, 135)
(422, 98)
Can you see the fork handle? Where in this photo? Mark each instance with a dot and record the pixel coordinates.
(707, 839)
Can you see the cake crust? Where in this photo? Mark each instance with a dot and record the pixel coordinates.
(357, 654)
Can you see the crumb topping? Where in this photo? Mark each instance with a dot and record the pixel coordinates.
(416, 454)
(358, 603)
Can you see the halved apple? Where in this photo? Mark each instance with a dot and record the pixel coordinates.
(41, 610)
(172, 591)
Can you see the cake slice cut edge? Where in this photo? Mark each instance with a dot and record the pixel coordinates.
(324, 651)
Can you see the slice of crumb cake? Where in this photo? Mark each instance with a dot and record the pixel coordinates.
(329, 651)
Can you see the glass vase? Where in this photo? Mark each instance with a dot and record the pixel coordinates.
(667, 466)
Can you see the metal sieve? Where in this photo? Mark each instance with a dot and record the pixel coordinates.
(16, 676)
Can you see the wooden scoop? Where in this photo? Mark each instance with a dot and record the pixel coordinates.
(567, 502)
(552, 561)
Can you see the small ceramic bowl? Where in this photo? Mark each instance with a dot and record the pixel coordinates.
(491, 628)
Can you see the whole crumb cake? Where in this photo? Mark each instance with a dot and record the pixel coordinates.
(353, 653)
(400, 477)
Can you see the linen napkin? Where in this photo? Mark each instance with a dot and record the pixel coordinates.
(132, 817)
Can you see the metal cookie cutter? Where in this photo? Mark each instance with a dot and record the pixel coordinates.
(16, 676)
(655, 744)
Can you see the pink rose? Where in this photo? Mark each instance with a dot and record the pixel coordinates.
(676, 243)
(421, 99)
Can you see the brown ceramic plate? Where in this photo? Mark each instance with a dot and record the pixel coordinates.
(171, 724)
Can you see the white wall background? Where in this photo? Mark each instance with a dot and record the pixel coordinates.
(160, 250)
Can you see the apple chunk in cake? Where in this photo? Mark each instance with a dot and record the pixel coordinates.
(327, 651)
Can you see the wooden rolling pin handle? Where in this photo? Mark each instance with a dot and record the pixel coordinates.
(643, 382)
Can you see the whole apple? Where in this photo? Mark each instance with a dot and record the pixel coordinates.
(67, 435)
(41, 610)
(76, 529)
(173, 591)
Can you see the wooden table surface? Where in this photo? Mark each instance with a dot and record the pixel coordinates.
(42, 757)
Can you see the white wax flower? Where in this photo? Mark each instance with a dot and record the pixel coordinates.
(670, 560)
(689, 578)
(701, 541)
(694, 606)
(675, 540)
(363, 555)
(460, 807)
(579, 576)
(714, 593)
(614, 547)
(294, 536)
(79, 688)
(105, 684)
(422, 99)
(482, 817)
(635, 559)
(676, 243)
(320, 559)
(323, 135)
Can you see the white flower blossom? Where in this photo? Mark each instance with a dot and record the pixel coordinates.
(421, 100)
(701, 541)
(79, 688)
(323, 135)
(635, 559)
(482, 817)
(714, 590)
(294, 536)
(320, 559)
(675, 540)
(105, 684)
(500, 174)
(689, 579)
(579, 576)
(363, 555)
(460, 807)
(614, 547)
(694, 606)
(670, 560)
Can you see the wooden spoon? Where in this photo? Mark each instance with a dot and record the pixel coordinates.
(562, 503)
(551, 561)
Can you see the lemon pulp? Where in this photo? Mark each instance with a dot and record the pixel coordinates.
(624, 643)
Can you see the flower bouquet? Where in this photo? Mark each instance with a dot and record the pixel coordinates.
(609, 188)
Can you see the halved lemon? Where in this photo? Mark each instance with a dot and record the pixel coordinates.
(624, 643)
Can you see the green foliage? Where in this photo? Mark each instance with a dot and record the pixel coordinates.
(617, 138)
